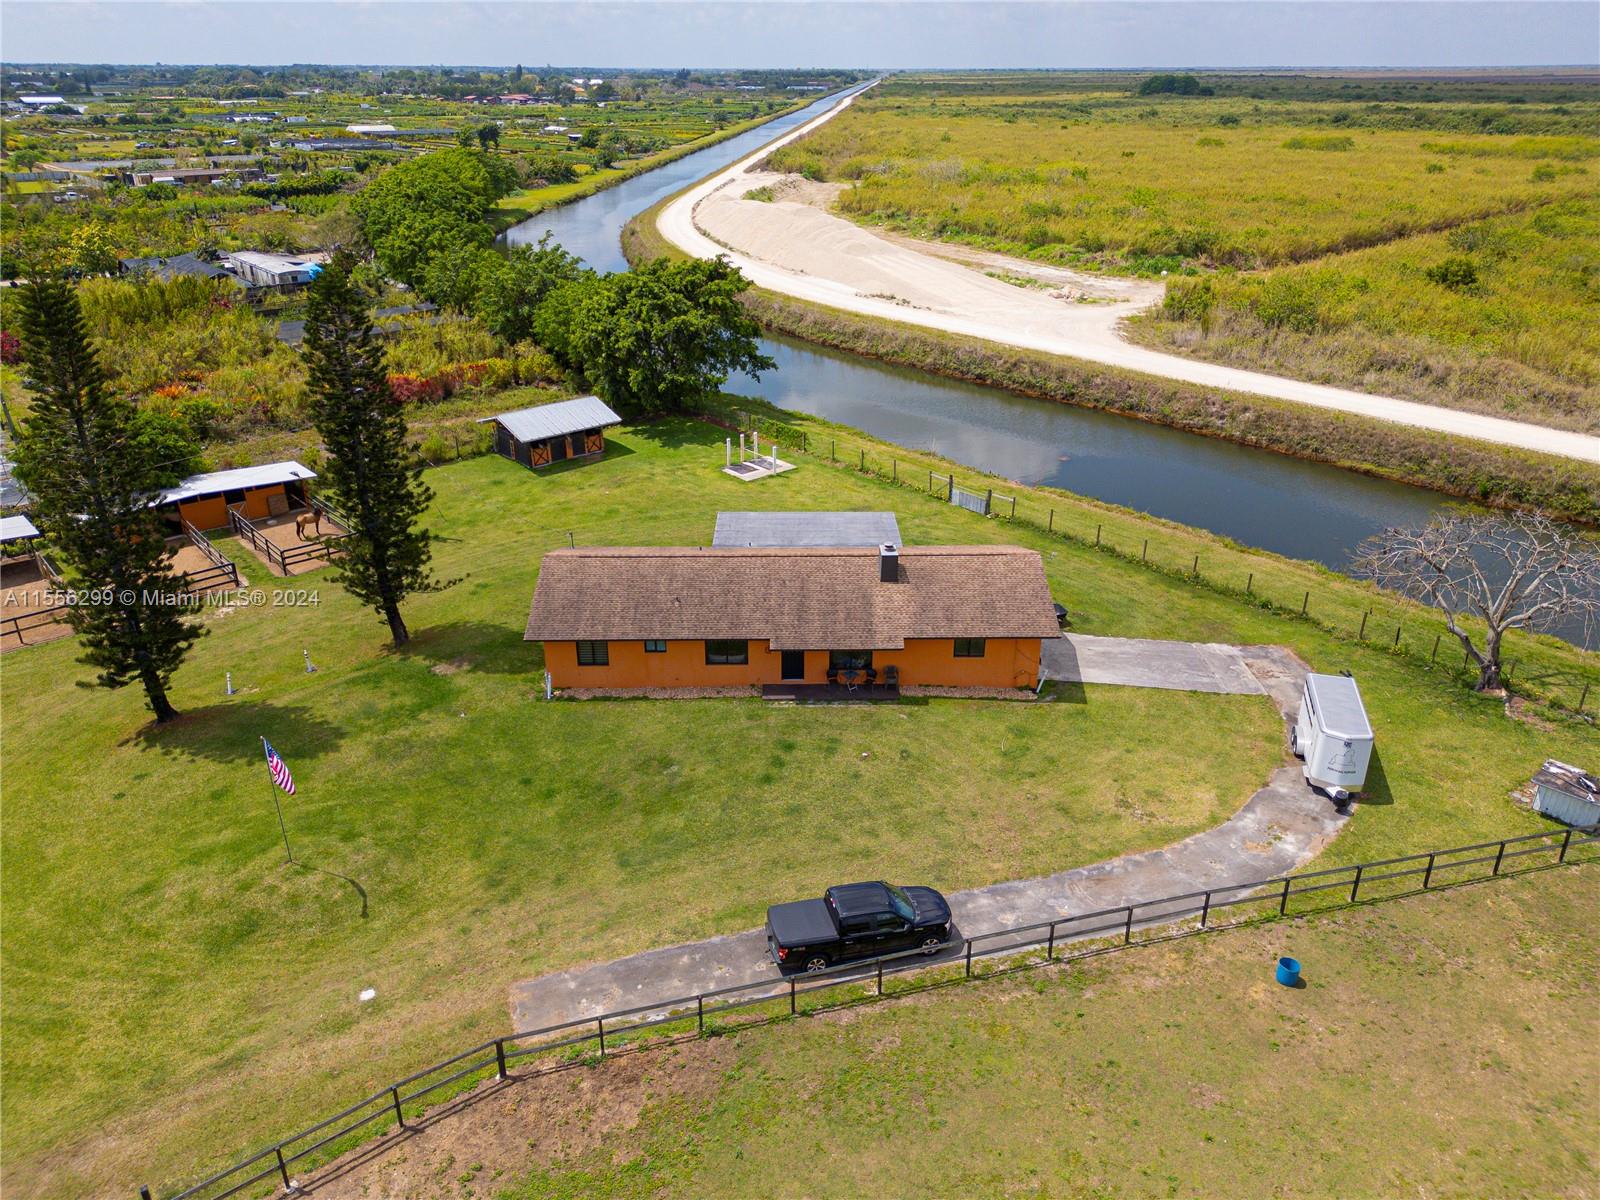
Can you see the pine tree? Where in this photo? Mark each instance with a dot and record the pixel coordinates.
(91, 476)
(370, 472)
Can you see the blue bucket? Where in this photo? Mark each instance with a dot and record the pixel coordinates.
(1288, 971)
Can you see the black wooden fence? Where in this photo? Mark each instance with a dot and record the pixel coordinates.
(284, 559)
(1103, 931)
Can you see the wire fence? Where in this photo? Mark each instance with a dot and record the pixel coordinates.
(994, 952)
(1378, 619)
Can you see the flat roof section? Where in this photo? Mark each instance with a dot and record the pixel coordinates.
(806, 529)
(17, 529)
(214, 482)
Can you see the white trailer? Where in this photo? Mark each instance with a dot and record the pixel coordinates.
(1333, 735)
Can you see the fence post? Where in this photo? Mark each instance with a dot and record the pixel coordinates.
(1205, 911)
(969, 958)
(1434, 657)
(1196, 571)
(895, 469)
(1304, 604)
(950, 487)
(1583, 697)
(500, 1056)
(880, 977)
(1127, 928)
(283, 1167)
(1362, 632)
(1283, 901)
(1427, 876)
(1249, 583)
(1397, 636)
(930, 483)
(1145, 553)
(1499, 854)
(863, 460)
(1050, 526)
(600, 1023)
(144, 1193)
(791, 995)
(399, 1116)
(1097, 529)
(1050, 945)
(832, 444)
(988, 502)
(1013, 508)
(1355, 885)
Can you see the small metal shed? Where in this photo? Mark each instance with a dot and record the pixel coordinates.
(782, 529)
(1569, 794)
(552, 433)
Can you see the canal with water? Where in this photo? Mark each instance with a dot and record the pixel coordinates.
(1301, 509)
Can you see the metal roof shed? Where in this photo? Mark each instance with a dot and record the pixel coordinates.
(1569, 794)
(17, 529)
(806, 529)
(551, 433)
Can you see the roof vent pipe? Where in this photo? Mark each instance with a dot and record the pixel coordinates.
(888, 563)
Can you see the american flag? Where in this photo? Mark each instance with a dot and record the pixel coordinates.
(280, 772)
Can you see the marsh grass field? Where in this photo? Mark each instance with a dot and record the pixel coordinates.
(175, 996)
(1437, 244)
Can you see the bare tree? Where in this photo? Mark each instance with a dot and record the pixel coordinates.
(1517, 571)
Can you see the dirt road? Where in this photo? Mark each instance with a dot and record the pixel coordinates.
(794, 247)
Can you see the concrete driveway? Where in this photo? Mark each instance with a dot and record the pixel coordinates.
(1280, 828)
(1140, 662)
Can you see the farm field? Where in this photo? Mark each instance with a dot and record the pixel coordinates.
(1116, 1076)
(1313, 225)
(208, 994)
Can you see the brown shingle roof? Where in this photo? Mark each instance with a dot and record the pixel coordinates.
(796, 598)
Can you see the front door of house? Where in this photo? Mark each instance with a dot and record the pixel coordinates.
(794, 664)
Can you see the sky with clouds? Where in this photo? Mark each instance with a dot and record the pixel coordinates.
(783, 33)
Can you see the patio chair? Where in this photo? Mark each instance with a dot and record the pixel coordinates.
(833, 674)
(891, 676)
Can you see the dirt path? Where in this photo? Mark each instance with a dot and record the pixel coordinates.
(793, 247)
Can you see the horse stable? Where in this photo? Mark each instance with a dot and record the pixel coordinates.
(683, 617)
(203, 501)
(552, 433)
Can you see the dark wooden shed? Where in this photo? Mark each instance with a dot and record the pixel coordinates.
(552, 433)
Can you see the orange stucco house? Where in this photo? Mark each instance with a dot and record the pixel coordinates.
(724, 616)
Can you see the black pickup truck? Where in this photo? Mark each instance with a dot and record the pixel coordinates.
(856, 920)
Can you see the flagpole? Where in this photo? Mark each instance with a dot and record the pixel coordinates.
(282, 828)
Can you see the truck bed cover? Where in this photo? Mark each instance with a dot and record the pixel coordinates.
(801, 923)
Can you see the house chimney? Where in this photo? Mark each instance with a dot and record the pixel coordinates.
(888, 563)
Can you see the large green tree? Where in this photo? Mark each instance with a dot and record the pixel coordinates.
(370, 472)
(509, 297)
(423, 207)
(92, 466)
(664, 338)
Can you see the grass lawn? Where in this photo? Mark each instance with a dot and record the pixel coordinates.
(174, 996)
(1443, 1047)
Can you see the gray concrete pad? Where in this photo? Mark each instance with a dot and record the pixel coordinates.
(1280, 828)
(1140, 662)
